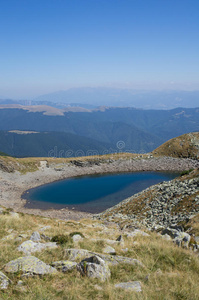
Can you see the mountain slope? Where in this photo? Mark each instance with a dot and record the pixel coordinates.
(186, 145)
(45, 144)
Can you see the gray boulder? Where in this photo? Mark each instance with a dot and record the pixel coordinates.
(79, 254)
(130, 286)
(94, 267)
(77, 238)
(29, 246)
(29, 265)
(4, 281)
(35, 237)
(137, 232)
(64, 265)
(109, 250)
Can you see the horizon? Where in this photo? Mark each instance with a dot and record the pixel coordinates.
(50, 46)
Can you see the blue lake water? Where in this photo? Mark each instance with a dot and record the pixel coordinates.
(92, 193)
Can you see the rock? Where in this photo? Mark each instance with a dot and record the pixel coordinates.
(29, 246)
(2, 210)
(45, 237)
(182, 238)
(14, 214)
(130, 286)
(166, 237)
(109, 250)
(9, 237)
(64, 265)
(137, 232)
(120, 239)
(29, 265)
(79, 254)
(20, 286)
(77, 238)
(35, 237)
(94, 267)
(76, 254)
(45, 228)
(4, 281)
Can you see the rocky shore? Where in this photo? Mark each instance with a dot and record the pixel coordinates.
(14, 184)
(159, 206)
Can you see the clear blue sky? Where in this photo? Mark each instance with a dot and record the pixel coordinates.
(50, 45)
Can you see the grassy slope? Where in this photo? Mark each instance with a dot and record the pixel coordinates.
(186, 145)
(169, 273)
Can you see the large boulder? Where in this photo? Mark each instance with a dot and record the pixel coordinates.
(29, 246)
(94, 267)
(29, 265)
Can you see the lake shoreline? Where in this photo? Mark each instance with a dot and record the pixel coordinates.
(13, 185)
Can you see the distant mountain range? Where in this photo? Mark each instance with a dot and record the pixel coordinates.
(146, 99)
(90, 98)
(100, 131)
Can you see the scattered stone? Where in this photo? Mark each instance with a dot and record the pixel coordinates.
(2, 210)
(4, 281)
(137, 232)
(94, 267)
(77, 238)
(130, 286)
(29, 246)
(120, 239)
(64, 265)
(35, 237)
(76, 254)
(29, 265)
(14, 214)
(79, 254)
(109, 250)
(166, 237)
(45, 228)
(9, 237)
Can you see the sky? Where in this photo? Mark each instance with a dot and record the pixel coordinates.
(51, 45)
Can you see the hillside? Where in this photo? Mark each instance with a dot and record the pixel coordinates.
(49, 144)
(186, 145)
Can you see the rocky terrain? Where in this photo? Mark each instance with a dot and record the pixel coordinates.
(162, 205)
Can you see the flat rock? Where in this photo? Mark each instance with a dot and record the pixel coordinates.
(137, 232)
(64, 265)
(29, 265)
(109, 250)
(11, 236)
(29, 246)
(130, 286)
(79, 254)
(4, 281)
(94, 267)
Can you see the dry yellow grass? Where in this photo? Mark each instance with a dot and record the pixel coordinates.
(169, 272)
(186, 145)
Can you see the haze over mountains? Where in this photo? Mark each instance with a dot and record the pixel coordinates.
(104, 96)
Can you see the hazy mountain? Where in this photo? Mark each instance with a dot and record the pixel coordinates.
(134, 130)
(49, 144)
(147, 99)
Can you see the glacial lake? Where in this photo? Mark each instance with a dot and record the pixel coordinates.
(93, 193)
